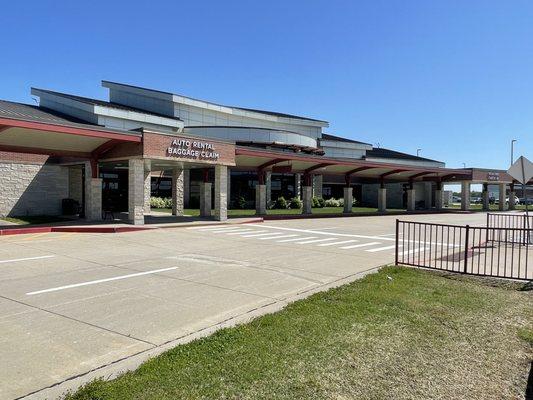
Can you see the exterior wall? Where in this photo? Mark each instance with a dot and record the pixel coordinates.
(120, 123)
(394, 195)
(415, 163)
(32, 188)
(75, 182)
(67, 106)
(342, 153)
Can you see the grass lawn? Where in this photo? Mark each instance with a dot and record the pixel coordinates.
(420, 335)
(248, 213)
(37, 219)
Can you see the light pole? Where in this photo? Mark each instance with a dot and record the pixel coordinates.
(418, 152)
(512, 150)
(464, 165)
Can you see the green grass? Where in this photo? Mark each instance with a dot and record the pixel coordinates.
(247, 213)
(419, 335)
(37, 219)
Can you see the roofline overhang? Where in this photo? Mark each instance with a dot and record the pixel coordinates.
(71, 130)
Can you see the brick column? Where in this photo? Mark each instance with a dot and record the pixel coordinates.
(93, 195)
(502, 188)
(348, 199)
(260, 199)
(382, 199)
(205, 199)
(268, 184)
(297, 185)
(147, 186)
(221, 192)
(465, 196)
(317, 185)
(307, 196)
(136, 177)
(186, 188)
(485, 197)
(428, 195)
(411, 200)
(512, 195)
(177, 191)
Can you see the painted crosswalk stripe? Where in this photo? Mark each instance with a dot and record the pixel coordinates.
(226, 230)
(243, 232)
(263, 234)
(316, 241)
(115, 278)
(380, 249)
(276, 237)
(336, 243)
(24, 259)
(359, 245)
(208, 228)
(298, 238)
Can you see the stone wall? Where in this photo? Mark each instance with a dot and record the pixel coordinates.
(32, 188)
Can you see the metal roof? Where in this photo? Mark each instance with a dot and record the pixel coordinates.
(327, 136)
(380, 152)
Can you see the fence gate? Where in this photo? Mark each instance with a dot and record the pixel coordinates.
(505, 252)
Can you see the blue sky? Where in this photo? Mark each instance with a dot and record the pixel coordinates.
(454, 78)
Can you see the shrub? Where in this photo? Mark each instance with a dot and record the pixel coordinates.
(318, 202)
(241, 203)
(281, 203)
(160, 202)
(295, 203)
(333, 202)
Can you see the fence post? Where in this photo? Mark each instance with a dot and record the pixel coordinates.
(397, 240)
(467, 237)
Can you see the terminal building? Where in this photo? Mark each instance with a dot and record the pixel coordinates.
(112, 156)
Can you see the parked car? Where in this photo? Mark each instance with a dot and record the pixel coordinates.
(477, 200)
(516, 200)
(529, 201)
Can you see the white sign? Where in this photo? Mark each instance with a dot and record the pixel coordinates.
(521, 170)
(185, 148)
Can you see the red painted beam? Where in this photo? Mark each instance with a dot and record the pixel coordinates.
(317, 166)
(40, 126)
(4, 128)
(270, 163)
(105, 147)
(412, 177)
(360, 169)
(393, 172)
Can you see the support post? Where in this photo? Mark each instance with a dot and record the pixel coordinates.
(438, 196)
(221, 192)
(268, 184)
(260, 199)
(297, 185)
(485, 197)
(93, 195)
(136, 178)
(147, 186)
(382, 198)
(411, 199)
(307, 196)
(348, 200)
(186, 187)
(317, 185)
(428, 195)
(512, 197)
(465, 196)
(178, 176)
(205, 199)
(502, 189)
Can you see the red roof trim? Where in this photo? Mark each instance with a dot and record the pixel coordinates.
(14, 123)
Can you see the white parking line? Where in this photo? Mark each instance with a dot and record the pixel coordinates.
(226, 230)
(298, 238)
(24, 259)
(208, 228)
(263, 234)
(381, 248)
(276, 237)
(316, 241)
(311, 231)
(359, 245)
(335, 243)
(245, 231)
(115, 278)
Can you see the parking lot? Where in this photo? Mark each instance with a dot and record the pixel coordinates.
(74, 303)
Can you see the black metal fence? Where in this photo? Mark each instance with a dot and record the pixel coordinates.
(499, 223)
(488, 251)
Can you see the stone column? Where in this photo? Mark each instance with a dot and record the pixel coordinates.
(307, 196)
(348, 200)
(229, 187)
(221, 192)
(136, 178)
(512, 195)
(260, 199)
(205, 199)
(382, 199)
(411, 199)
(438, 199)
(317, 185)
(485, 197)
(428, 195)
(147, 186)
(178, 176)
(465, 196)
(93, 195)
(297, 185)
(186, 187)
(268, 184)
(502, 188)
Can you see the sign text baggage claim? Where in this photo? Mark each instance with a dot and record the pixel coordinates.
(193, 149)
